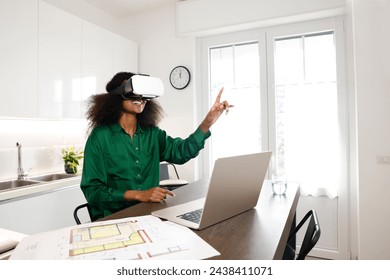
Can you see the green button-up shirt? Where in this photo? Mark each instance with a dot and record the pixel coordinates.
(114, 163)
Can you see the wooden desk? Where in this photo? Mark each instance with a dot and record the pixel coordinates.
(260, 233)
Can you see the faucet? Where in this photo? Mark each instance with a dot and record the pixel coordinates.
(21, 173)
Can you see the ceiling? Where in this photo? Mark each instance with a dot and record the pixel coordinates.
(123, 8)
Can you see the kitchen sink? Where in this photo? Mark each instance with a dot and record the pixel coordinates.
(53, 177)
(39, 179)
(6, 185)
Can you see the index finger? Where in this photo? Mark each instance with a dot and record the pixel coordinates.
(170, 193)
(166, 191)
(218, 99)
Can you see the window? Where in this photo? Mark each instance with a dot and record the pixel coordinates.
(306, 112)
(236, 68)
(296, 114)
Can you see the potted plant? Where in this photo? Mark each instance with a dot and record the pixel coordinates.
(71, 159)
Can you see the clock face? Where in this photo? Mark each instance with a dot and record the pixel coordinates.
(180, 77)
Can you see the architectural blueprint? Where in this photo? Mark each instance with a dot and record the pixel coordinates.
(135, 238)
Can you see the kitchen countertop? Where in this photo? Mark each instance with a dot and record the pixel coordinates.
(38, 188)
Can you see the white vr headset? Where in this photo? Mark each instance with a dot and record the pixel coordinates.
(142, 86)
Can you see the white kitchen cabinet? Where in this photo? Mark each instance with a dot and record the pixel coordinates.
(97, 60)
(18, 58)
(59, 63)
(51, 61)
(41, 212)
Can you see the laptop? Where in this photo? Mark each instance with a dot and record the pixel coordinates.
(234, 187)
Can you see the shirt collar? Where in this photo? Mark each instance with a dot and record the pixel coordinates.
(116, 128)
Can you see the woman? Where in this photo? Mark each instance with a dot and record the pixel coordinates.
(125, 147)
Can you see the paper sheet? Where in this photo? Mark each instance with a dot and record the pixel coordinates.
(8, 240)
(135, 238)
(7, 244)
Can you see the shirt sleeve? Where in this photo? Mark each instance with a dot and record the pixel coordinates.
(178, 150)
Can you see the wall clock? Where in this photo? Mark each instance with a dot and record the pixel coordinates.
(180, 77)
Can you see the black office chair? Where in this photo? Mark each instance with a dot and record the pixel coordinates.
(312, 235)
(76, 212)
(166, 179)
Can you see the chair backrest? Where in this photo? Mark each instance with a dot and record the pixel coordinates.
(164, 170)
(165, 178)
(76, 212)
(312, 234)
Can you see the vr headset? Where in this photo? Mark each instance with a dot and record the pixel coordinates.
(140, 86)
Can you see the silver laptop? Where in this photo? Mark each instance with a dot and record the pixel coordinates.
(234, 187)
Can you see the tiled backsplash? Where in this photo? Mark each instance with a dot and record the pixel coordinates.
(42, 142)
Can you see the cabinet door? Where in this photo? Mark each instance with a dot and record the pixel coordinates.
(40, 213)
(97, 60)
(18, 58)
(125, 55)
(59, 63)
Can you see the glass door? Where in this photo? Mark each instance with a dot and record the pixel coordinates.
(236, 68)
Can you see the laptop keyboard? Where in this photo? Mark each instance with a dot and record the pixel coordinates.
(193, 216)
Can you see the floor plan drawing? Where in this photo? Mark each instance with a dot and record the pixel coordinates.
(106, 237)
(134, 238)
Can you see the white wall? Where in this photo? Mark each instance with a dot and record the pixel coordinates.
(159, 52)
(203, 17)
(371, 44)
(41, 140)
